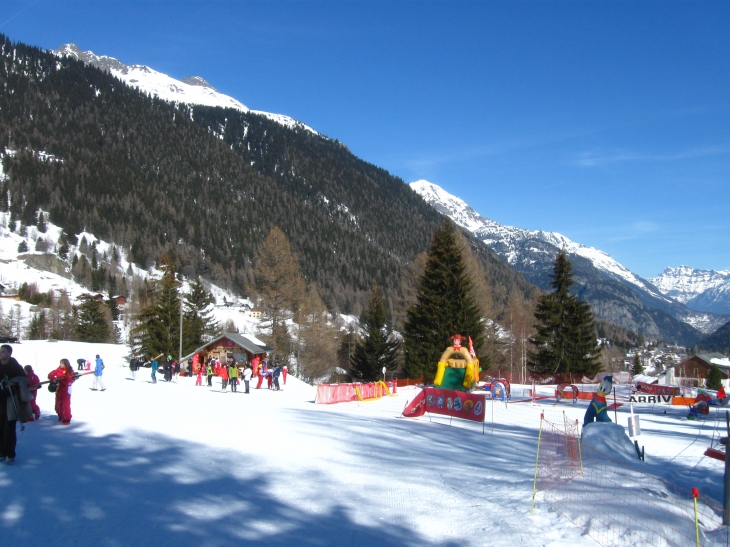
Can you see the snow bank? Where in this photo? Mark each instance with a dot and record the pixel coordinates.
(610, 440)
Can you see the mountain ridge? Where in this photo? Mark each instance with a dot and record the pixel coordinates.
(193, 90)
(616, 294)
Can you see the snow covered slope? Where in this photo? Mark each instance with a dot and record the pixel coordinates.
(532, 252)
(191, 90)
(149, 465)
(704, 290)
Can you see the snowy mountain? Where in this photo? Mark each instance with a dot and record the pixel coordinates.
(189, 90)
(616, 293)
(702, 290)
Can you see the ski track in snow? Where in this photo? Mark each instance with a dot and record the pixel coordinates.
(175, 464)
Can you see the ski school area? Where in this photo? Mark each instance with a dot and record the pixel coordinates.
(176, 464)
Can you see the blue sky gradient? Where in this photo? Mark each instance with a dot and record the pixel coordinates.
(608, 122)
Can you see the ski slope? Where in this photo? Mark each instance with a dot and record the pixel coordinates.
(180, 465)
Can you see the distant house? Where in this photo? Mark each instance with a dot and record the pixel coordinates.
(120, 300)
(256, 313)
(693, 370)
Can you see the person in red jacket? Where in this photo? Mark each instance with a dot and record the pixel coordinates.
(223, 373)
(33, 384)
(64, 376)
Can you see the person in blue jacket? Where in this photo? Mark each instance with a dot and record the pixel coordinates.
(98, 371)
(154, 367)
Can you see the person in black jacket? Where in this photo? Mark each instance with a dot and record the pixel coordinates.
(9, 369)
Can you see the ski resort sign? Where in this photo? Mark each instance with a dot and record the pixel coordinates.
(651, 399)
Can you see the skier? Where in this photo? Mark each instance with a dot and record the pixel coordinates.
(223, 373)
(155, 365)
(284, 372)
(166, 367)
(246, 376)
(233, 375)
(133, 366)
(33, 384)
(97, 374)
(10, 396)
(275, 375)
(262, 372)
(174, 369)
(63, 376)
(209, 372)
(199, 376)
(80, 364)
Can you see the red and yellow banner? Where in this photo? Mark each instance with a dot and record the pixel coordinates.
(459, 404)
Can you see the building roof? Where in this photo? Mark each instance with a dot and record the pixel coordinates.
(239, 339)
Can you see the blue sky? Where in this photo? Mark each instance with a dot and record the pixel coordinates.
(606, 121)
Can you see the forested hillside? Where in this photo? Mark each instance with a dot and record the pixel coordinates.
(205, 184)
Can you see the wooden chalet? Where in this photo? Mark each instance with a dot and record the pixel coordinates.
(697, 367)
(230, 344)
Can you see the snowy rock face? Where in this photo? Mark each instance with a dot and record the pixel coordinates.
(191, 90)
(703, 290)
(602, 280)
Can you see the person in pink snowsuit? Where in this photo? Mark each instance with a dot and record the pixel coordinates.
(284, 372)
(199, 377)
(33, 384)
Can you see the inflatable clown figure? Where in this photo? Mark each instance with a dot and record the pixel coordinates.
(597, 410)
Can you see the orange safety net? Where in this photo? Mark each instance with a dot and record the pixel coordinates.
(616, 503)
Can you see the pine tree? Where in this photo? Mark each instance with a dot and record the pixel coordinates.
(377, 347)
(37, 327)
(42, 226)
(199, 326)
(565, 336)
(714, 378)
(444, 307)
(22, 247)
(93, 323)
(281, 287)
(316, 347)
(158, 330)
(637, 368)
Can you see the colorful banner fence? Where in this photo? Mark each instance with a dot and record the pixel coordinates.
(328, 394)
(459, 404)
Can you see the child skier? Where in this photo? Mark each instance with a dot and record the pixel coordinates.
(33, 384)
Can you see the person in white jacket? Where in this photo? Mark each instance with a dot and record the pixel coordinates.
(246, 376)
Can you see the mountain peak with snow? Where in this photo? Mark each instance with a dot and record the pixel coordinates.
(189, 90)
(706, 290)
(197, 80)
(532, 252)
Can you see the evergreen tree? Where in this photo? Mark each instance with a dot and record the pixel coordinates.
(37, 327)
(22, 247)
(316, 347)
(281, 287)
(565, 336)
(637, 368)
(158, 330)
(42, 226)
(714, 378)
(377, 347)
(93, 323)
(199, 326)
(444, 307)
(111, 303)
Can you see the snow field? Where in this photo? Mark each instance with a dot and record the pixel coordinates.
(176, 464)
